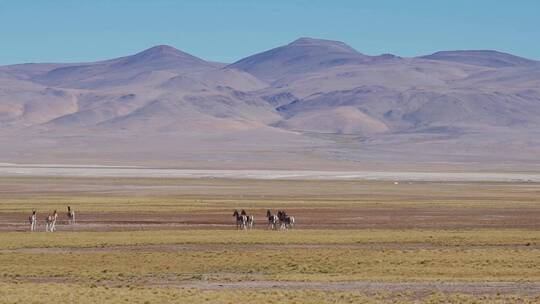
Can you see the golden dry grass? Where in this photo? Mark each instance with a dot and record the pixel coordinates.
(476, 237)
(20, 194)
(314, 264)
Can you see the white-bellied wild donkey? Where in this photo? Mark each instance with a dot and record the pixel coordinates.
(33, 220)
(272, 220)
(286, 221)
(71, 216)
(50, 222)
(250, 219)
(241, 220)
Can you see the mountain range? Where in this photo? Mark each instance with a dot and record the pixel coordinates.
(310, 104)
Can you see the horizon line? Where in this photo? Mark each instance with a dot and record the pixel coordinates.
(257, 52)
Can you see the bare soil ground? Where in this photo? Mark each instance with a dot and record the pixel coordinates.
(426, 217)
(106, 204)
(419, 289)
(415, 289)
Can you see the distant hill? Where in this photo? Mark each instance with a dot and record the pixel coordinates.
(311, 103)
(301, 56)
(492, 59)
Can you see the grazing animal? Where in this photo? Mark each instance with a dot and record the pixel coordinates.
(291, 222)
(281, 217)
(286, 221)
(272, 220)
(50, 222)
(250, 221)
(55, 217)
(71, 216)
(33, 220)
(241, 220)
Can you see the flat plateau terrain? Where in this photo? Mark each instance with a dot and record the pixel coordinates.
(163, 240)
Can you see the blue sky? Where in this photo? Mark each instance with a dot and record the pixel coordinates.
(71, 31)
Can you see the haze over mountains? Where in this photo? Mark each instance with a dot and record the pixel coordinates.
(311, 104)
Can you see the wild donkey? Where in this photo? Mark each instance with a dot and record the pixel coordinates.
(272, 220)
(33, 220)
(50, 222)
(250, 219)
(241, 220)
(71, 216)
(286, 221)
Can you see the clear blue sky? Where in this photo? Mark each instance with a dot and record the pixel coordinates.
(71, 31)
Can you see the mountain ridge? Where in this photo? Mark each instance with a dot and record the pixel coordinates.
(488, 58)
(309, 99)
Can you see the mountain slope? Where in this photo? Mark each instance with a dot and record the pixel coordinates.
(123, 70)
(487, 58)
(312, 101)
(300, 56)
(336, 120)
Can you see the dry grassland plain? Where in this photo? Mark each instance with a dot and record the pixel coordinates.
(160, 240)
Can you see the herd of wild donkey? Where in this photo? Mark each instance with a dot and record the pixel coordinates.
(50, 220)
(281, 220)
